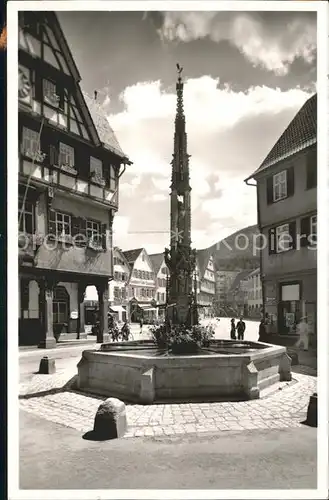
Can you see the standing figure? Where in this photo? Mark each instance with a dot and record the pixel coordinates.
(241, 327)
(302, 330)
(262, 330)
(233, 336)
(141, 325)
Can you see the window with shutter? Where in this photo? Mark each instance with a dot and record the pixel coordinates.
(304, 231)
(63, 224)
(313, 230)
(279, 186)
(311, 170)
(50, 95)
(292, 233)
(269, 187)
(53, 155)
(103, 233)
(290, 181)
(66, 155)
(30, 142)
(283, 238)
(52, 222)
(79, 231)
(271, 241)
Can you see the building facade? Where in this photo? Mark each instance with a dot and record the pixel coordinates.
(118, 287)
(254, 294)
(223, 283)
(69, 169)
(287, 217)
(141, 286)
(161, 273)
(238, 295)
(207, 282)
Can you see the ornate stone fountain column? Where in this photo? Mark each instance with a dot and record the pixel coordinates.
(180, 258)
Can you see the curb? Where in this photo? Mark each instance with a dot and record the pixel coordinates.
(59, 345)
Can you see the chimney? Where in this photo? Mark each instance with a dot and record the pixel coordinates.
(95, 95)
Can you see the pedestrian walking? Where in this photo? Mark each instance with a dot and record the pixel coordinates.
(233, 329)
(141, 325)
(240, 328)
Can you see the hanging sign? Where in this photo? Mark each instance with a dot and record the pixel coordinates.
(74, 315)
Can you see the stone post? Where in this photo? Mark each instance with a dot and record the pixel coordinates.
(81, 306)
(46, 288)
(103, 300)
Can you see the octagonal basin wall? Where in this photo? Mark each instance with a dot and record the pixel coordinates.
(139, 377)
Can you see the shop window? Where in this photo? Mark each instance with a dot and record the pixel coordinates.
(60, 305)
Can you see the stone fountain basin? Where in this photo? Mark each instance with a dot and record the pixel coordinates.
(138, 372)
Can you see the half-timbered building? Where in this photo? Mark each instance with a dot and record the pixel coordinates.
(70, 163)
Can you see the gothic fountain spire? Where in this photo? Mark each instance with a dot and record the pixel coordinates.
(180, 259)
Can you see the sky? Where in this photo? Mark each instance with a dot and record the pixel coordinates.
(246, 74)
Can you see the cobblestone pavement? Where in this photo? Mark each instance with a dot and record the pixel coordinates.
(50, 397)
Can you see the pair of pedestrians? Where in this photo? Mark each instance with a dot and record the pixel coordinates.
(238, 328)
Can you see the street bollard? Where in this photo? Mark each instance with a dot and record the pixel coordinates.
(47, 366)
(312, 411)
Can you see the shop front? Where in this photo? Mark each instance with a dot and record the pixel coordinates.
(119, 312)
(142, 311)
(286, 302)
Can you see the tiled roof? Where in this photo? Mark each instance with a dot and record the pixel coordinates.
(105, 131)
(131, 255)
(300, 133)
(241, 276)
(156, 259)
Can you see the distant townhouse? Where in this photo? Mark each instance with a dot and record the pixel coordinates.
(287, 217)
(161, 273)
(224, 280)
(238, 294)
(206, 275)
(118, 287)
(141, 286)
(254, 294)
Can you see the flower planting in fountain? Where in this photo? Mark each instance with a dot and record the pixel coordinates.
(182, 339)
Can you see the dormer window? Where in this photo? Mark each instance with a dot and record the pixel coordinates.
(96, 170)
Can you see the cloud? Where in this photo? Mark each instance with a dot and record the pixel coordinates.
(229, 133)
(272, 40)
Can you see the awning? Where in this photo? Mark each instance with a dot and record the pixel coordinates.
(146, 307)
(117, 309)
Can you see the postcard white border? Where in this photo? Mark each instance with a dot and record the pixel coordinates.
(13, 7)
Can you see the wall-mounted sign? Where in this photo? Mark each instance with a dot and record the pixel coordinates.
(74, 315)
(290, 292)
